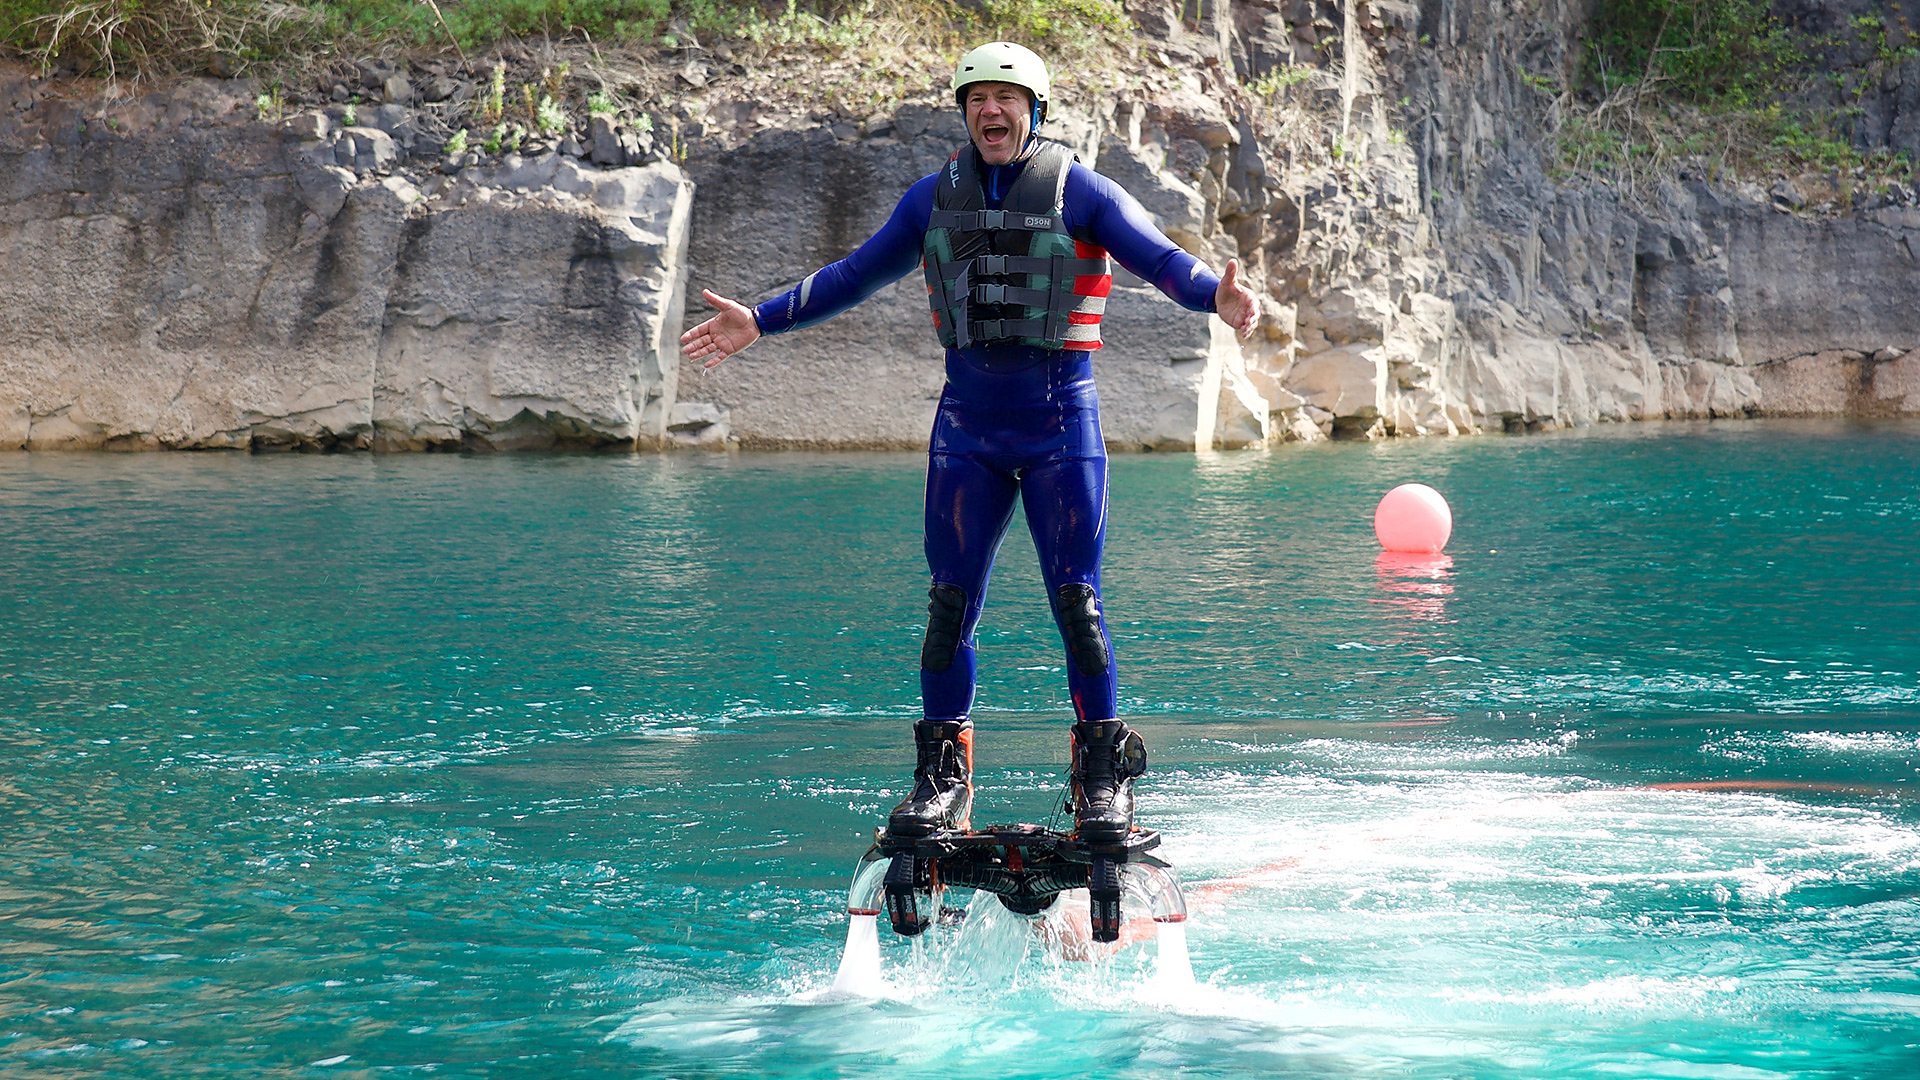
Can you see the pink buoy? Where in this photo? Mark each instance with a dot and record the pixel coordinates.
(1413, 518)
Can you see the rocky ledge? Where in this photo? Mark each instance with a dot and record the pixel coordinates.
(178, 273)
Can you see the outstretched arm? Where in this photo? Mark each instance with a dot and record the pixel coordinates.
(724, 334)
(884, 258)
(1118, 222)
(887, 256)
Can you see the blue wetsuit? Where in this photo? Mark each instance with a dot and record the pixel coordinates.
(1013, 419)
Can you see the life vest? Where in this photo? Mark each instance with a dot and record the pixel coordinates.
(1013, 274)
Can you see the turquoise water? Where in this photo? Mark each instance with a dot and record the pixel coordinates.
(558, 765)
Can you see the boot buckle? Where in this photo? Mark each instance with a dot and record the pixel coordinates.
(1130, 756)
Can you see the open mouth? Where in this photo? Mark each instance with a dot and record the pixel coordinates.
(994, 133)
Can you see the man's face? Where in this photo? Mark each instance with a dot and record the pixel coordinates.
(998, 120)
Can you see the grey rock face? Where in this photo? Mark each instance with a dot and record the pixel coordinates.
(775, 209)
(517, 322)
(227, 285)
(606, 143)
(1577, 308)
(1841, 381)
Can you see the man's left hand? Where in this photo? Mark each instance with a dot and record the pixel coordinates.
(1235, 303)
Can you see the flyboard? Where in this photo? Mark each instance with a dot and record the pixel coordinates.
(1025, 867)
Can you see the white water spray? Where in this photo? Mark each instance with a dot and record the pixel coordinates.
(1174, 970)
(859, 974)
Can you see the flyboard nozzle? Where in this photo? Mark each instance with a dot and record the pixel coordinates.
(908, 880)
(1103, 898)
(1026, 868)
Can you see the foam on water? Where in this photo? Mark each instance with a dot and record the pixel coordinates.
(1393, 925)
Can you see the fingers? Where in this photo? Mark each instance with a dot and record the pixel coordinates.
(1245, 314)
(724, 303)
(699, 341)
(707, 351)
(709, 342)
(713, 340)
(1238, 299)
(704, 329)
(1249, 304)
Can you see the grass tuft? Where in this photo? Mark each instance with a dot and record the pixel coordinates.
(120, 39)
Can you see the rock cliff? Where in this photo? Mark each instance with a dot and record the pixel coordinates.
(176, 272)
(1575, 305)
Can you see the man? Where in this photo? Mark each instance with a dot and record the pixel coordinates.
(1013, 235)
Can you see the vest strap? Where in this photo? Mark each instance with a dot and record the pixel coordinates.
(993, 329)
(990, 329)
(1010, 294)
(998, 265)
(976, 220)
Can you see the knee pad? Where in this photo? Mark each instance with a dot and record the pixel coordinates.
(1077, 608)
(946, 616)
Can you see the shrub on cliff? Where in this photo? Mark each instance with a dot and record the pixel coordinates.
(1719, 84)
(136, 38)
(150, 37)
(1706, 51)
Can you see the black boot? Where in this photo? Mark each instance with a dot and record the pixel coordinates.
(942, 796)
(1107, 755)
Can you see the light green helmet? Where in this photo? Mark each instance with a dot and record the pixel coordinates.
(1003, 61)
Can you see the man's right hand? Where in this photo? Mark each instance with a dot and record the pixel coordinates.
(724, 334)
(1235, 302)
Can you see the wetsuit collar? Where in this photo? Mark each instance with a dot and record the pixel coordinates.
(996, 179)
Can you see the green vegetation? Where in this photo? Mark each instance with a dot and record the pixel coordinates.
(1280, 78)
(145, 37)
(493, 103)
(1541, 83)
(270, 104)
(1671, 83)
(549, 117)
(1724, 52)
(137, 38)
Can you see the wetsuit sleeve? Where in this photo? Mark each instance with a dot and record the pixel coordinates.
(1116, 221)
(887, 256)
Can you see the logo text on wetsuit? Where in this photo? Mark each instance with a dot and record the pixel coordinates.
(953, 173)
(1039, 223)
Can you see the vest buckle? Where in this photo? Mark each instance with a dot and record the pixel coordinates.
(990, 294)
